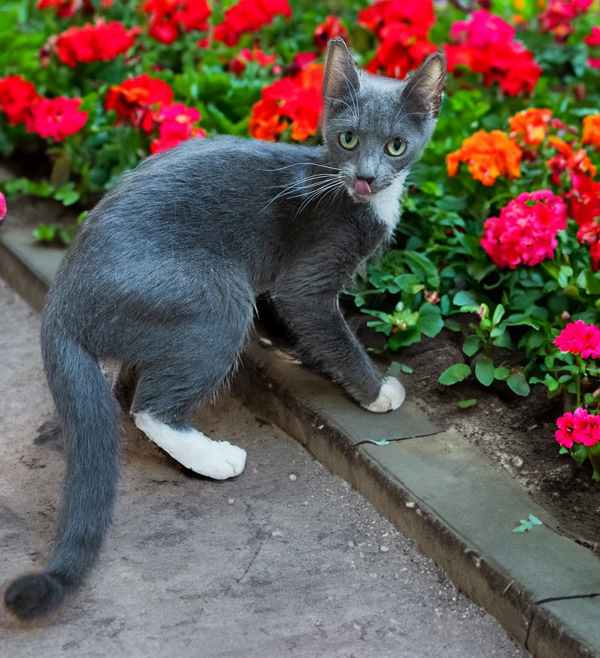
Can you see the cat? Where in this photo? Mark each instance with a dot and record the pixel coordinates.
(164, 274)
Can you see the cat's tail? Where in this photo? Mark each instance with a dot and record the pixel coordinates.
(89, 416)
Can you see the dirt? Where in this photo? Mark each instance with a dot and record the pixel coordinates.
(517, 433)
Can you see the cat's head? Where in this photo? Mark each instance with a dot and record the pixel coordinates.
(374, 127)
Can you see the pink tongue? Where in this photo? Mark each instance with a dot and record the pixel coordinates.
(362, 187)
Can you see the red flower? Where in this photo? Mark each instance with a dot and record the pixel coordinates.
(525, 232)
(402, 28)
(94, 43)
(568, 160)
(238, 63)
(292, 99)
(486, 46)
(579, 338)
(136, 99)
(331, 27)
(578, 427)
(168, 18)
(2, 206)
(593, 39)
(249, 16)
(56, 118)
(16, 97)
(557, 17)
(175, 125)
(584, 208)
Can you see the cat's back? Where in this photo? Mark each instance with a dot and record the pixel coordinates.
(220, 174)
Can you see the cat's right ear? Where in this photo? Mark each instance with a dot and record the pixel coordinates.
(340, 82)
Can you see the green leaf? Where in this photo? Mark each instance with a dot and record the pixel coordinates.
(407, 369)
(464, 298)
(484, 369)
(430, 320)
(471, 345)
(498, 313)
(518, 384)
(455, 374)
(465, 404)
(66, 194)
(501, 373)
(44, 233)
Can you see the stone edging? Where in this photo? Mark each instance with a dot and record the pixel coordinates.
(542, 587)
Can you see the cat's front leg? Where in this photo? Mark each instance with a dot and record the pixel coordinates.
(323, 340)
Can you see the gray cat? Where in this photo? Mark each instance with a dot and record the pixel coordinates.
(164, 274)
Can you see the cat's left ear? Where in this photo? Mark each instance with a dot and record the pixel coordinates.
(424, 88)
(340, 81)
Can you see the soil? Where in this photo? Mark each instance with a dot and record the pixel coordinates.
(517, 433)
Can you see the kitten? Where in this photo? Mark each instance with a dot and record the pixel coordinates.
(164, 274)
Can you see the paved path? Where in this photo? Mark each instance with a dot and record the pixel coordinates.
(284, 560)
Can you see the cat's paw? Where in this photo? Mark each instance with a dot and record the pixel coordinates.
(223, 461)
(391, 396)
(214, 459)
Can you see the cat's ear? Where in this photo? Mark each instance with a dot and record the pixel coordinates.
(423, 92)
(340, 82)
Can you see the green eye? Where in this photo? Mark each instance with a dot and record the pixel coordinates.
(348, 140)
(396, 147)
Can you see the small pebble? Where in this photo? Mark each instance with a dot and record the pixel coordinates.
(277, 533)
(293, 477)
(384, 549)
(231, 501)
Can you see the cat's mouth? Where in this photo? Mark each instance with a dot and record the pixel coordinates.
(362, 191)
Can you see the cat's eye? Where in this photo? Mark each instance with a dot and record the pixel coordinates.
(396, 146)
(348, 140)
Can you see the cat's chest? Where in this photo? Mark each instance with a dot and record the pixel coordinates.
(386, 204)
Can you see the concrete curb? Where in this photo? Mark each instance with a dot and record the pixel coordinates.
(542, 587)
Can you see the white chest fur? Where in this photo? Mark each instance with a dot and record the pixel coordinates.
(386, 204)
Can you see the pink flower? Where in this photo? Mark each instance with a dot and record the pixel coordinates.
(486, 45)
(525, 232)
(578, 427)
(57, 117)
(579, 338)
(2, 206)
(175, 125)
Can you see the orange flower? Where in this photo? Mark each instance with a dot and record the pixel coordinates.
(568, 160)
(532, 124)
(591, 130)
(488, 155)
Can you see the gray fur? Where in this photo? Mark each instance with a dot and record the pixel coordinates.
(164, 274)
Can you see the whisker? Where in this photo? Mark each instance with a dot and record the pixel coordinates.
(297, 164)
(297, 185)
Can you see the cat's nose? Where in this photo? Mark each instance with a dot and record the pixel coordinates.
(367, 179)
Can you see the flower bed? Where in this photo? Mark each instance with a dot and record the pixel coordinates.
(502, 214)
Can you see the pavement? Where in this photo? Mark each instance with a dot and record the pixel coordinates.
(286, 559)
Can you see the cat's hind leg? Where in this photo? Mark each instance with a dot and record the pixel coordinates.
(190, 359)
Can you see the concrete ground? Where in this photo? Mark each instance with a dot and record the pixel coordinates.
(284, 560)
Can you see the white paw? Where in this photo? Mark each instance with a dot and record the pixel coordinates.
(214, 459)
(220, 462)
(391, 396)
